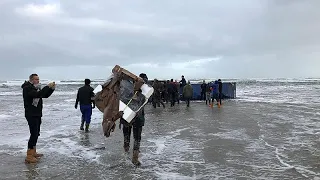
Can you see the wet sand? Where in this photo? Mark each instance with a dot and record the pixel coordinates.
(239, 141)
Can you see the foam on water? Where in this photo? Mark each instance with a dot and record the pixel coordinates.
(4, 116)
(300, 128)
(232, 134)
(70, 148)
(169, 148)
(56, 93)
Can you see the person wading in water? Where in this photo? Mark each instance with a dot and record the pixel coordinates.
(84, 95)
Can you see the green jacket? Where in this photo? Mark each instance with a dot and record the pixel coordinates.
(140, 118)
(187, 91)
(137, 121)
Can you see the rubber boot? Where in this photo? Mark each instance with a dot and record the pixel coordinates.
(30, 157)
(36, 155)
(87, 128)
(135, 158)
(126, 147)
(82, 124)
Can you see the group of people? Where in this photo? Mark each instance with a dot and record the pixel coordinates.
(169, 91)
(211, 92)
(32, 97)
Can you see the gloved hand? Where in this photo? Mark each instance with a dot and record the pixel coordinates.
(121, 113)
(52, 85)
(76, 106)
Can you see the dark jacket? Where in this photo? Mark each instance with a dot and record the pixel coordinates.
(84, 95)
(172, 88)
(220, 87)
(183, 82)
(157, 86)
(203, 87)
(140, 116)
(138, 121)
(29, 93)
(208, 87)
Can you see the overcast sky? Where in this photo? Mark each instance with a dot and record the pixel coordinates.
(72, 39)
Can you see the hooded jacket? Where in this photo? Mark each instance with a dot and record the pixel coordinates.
(29, 93)
(215, 87)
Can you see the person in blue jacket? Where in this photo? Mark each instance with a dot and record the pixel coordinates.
(215, 93)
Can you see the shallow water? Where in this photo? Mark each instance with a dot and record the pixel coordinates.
(242, 140)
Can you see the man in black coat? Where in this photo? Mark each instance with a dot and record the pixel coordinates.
(172, 91)
(203, 90)
(84, 97)
(32, 98)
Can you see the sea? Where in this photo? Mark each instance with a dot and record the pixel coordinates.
(271, 130)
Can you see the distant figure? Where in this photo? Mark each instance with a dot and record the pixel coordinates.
(84, 95)
(187, 93)
(157, 86)
(208, 94)
(172, 91)
(183, 81)
(165, 91)
(203, 90)
(220, 90)
(32, 99)
(215, 93)
(136, 127)
(178, 91)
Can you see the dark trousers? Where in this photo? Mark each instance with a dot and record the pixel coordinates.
(137, 130)
(220, 97)
(86, 111)
(178, 98)
(34, 128)
(156, 101)
(166, 97)
(215, 96)
(173, 98)
(203, 96)
(187, 101)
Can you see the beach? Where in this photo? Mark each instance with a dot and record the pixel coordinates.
(254, 136)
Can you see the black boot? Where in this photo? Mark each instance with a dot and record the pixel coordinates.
(87, 128)
(82, 124)
(126, 144)
(126, 147)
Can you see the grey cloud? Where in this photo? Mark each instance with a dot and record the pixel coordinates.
(266, 38)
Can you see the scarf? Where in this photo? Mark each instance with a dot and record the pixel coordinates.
(35, 101)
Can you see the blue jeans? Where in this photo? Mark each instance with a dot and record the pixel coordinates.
(86, 111)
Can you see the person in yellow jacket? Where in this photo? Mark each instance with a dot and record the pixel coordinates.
(187, 93)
